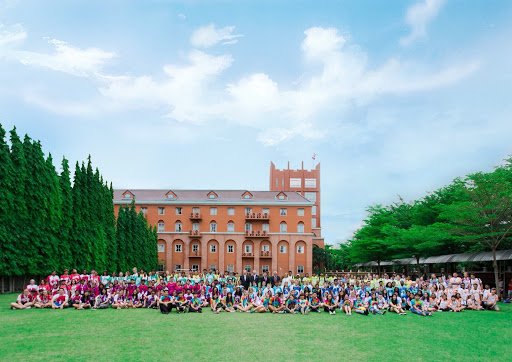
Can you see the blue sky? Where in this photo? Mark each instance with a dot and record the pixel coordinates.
(397, 97)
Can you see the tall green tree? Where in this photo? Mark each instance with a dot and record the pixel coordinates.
(65, 228)
(8, 254)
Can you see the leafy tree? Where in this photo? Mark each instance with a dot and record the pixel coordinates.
(66, 222)
(8, 248)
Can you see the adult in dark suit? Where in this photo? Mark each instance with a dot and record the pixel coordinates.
(275, 280)
(265, 278)
(245, 280)
(255, 277)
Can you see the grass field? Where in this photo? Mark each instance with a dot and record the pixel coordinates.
(147, 335)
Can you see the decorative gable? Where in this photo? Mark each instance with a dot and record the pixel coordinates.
(170, 195)
(212, 196)
(128, 195)
(247, 195)
(281, 196)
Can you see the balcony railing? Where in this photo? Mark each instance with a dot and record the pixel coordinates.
(256, 234)
(194, 254)
(247, 255)
(265, 254)
(194, 233)
(257, 216)
(195, 216)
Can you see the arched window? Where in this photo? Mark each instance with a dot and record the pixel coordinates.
(161, 226)
(231, 227)
(213, 227)
(178, 226)
(283, 228)
(300, 227)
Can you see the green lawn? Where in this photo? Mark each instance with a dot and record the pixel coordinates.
(149, 335)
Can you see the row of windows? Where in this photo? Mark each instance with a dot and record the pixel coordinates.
(178, 227)
(231, 211)
(230, 268)
(230, 248)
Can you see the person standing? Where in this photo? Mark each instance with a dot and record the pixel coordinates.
(255, 278)
(275, 279)
(245, 280)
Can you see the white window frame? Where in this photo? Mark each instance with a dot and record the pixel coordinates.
(300, 228)
(265, 248)
(283, 228)
(195, 210)
(247, 268)
(178, 227)
(179, 211)
(264, 268)
(265, 227)
(161, 248)
(300, 249)
(178, 248)
(213, 227)
(283, 211)
(232, 247)
(161, 210)
(313, 210)
(213, 248)
(282, 249)
(213, 266)
(231, 227)
(195, 247)
(311, 196)
(248, 248)
(265, 210)
(213, 211)
(195, 226)
(310, 183)
(248, 210)
(161, 227)
(300, 269)
(313, 222)
(231, 211)
(230, 268)
(295, 183)
(300, 211)
(248, 226)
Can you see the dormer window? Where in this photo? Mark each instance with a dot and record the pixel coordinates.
(170, 195)
(281, 196)
(212, 195)
(127, 195)
(247, 195)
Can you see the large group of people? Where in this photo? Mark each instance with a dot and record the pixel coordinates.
(195, 292)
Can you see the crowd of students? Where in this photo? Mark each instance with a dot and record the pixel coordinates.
(226, 292)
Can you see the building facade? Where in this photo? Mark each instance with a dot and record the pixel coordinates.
(228, 230)
(306, 183)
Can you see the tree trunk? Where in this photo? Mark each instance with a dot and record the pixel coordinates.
(418, 264)
(496, 272)
(378, 267)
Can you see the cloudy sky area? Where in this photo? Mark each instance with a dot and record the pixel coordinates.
(397, 98)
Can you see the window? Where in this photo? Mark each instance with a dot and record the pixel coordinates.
(313, 210)
(248, 248)
(313, 222)
(213, 227)
(281, 197)
(127, 196)
(231, 211)
(213, 211)
(265, 227)
(170, 196)
(282, 182)
(213, 248)
(231, 248)
(161, 211)
(195, 210)
(311, 196)
(284, 212)
(300, 249)
(161, 248)
(282, 227)
(264, 268)
(160, 267)
(248, 210)
(195, 226)
(213, 266)
(179, 211)
(211, 196)
(177, 248)
(195, 267)
(231, 227)
(310, 182)
(265, 210)
(248, 227)
(265, 248)
(295, 183)
(300, 212)
(231, 268)
(282, 249)
(177, 266)
(161, 226)
(144, 210)
(300, 227)
(177, 227)
(277, 182)
(195, 247)
(247, 268)
(247, 196)
(300, 269)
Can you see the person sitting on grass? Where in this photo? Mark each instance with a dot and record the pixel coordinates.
(181, 303)
(315, 303)
(359, 306)
(217, 304)
(263, 307)
(150, 301)
(473, 305)
(417, 306)
(276, 305)
(102, 300)
(195, 304)
(119, 300)
(245, 303)
(490, 300)
(230, 303)
(24, 301)
(330, 304)
(395, 305)
(382, 304)
(76, 300)
(346, 305)
(43, 300)
(290, 304)
(302, 305)
(164, 302)
(60, 300)
(373, 304)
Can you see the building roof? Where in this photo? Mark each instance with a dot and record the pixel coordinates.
(448, 258)
(201, 196)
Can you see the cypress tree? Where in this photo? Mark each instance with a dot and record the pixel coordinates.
(54, 217)
(8, 247)
(110, 227)
(66, 220)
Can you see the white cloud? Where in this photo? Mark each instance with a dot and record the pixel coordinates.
(274, 136)
(66, 58)
(11, 34)
(418, 16)
(209, 35)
